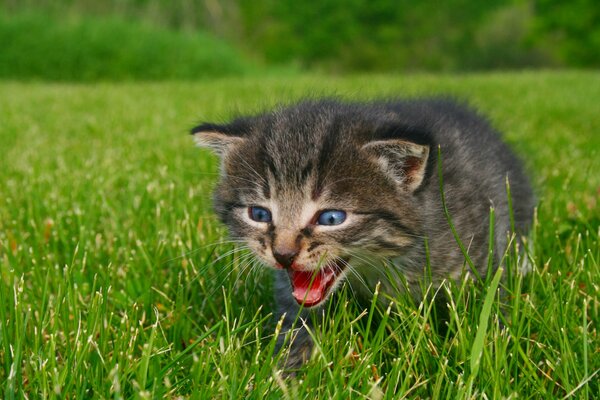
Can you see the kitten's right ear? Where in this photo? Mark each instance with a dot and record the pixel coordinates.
(403, 161)
(218, 138)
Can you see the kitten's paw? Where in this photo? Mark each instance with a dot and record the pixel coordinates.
(295, 354)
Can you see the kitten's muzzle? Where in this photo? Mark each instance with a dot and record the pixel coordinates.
(286, 246)
(286, 258)
(311, 288)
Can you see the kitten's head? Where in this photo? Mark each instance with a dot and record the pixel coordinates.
(314, 187)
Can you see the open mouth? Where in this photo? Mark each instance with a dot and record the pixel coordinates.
(310, 288)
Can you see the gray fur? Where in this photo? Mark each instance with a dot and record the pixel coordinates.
(317, 151)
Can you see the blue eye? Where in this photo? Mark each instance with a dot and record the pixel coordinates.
(331, 217)
(259, 214)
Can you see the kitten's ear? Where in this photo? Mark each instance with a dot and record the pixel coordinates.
(403, 161)
(218, 138)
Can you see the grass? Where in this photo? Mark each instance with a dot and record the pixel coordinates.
(113, 281)
(71, 48)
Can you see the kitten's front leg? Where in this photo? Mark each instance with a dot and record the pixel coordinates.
(299, 343)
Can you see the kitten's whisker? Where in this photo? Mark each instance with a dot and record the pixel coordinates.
(219, 274)
(330, 169)
(254, 270)
(230, 175)
(225, 267)
(367, 261)
(381, 268)
(243, 264)
(230, 266)
(352, 270)
(243, 267)
(207, 216)
(222, 242)
(228, 253)
(354, 295)
(257, 269)
(252, 170)
(187, 253)
(221, 280)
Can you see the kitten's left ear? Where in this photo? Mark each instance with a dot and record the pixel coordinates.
(403, 161)
(218, 138)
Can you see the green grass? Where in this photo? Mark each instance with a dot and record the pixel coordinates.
(71, 48)
(113, 282)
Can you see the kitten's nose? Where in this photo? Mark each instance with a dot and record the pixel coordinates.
(285, 258)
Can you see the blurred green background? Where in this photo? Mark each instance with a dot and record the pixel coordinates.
(86, 40)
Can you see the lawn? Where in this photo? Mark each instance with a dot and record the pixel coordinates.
(116, 280)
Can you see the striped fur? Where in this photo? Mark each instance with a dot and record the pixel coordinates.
(378, 162)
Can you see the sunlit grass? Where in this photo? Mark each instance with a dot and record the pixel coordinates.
(117, 281)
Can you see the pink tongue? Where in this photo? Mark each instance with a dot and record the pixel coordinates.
(308, 289)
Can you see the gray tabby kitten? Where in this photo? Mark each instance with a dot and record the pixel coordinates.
(328, 191)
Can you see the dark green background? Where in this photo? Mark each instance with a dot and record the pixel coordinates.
(185, 39)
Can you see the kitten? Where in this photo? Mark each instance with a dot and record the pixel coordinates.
(329, 191)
